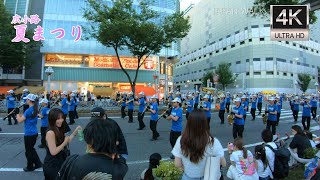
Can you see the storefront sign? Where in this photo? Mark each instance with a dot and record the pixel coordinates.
(127, 62)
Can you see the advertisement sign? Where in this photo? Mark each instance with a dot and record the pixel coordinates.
(127, 62)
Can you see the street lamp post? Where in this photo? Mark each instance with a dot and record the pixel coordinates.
(49, 71)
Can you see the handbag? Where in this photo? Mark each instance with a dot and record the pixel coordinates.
(212, 168)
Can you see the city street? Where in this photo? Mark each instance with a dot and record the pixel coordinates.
(12, 158)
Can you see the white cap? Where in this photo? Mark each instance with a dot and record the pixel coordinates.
(26, 90)
(170, 92)
(222, 96)
(228, 92)
(74, 91)
(237, 100)
(277, 97)
(197, 92)
(10, 91)
(130, 93)
(154, 97)
(296, 97)
(208, 92)
(190, 95)
(271, 98)
(141, 93)
(178, 92)
(31, 97)
(73, 94)
(244, 96)
(308, 97)
(177, 100)
(44, 101)
(206, 97)
(65, 93)
(254, 95)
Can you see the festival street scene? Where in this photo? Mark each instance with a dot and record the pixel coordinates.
(159, 90)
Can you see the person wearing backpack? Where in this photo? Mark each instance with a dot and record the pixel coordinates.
(267, 138)
(242, 162)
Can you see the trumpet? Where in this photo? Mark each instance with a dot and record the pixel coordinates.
(13, 111)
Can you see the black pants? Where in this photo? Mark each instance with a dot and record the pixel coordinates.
(259, 107)
(278, 118)
(295, 115)
(314, 112)
(237, 130)
(71, 117)
(31, 154)
(195, 106)
(43, 135)
(76, 116)
(123, 113)
(153, 127)
(13, 115)
(209, 119)
(253, 113)
(25, 107)
(221, 116)
(173, 137)
(273, 125)
(65, 124)
(228, 107)
(245, 116)
(130, 114)
(140, 119)
(304, 118)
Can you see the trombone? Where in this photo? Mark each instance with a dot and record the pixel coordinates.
(13, 111)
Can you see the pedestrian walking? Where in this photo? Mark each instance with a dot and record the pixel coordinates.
(43, 114)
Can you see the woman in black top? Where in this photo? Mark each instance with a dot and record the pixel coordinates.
(56, 144)
(300, 141)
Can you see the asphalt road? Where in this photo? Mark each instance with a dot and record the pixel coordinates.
(12, 158)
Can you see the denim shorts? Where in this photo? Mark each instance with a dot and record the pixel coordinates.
(186, 177)
(265, 178)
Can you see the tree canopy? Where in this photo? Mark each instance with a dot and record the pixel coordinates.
(225, 75)
(141, 30)
(304, 80)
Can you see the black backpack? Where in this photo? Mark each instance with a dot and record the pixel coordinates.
(281, 162)
(64, 171)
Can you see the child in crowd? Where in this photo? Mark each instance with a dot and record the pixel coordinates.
(262, 163)
(154, 162)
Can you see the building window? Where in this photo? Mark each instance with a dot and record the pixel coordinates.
(205, 56)
(261, 39)
(269, 73)
(200, 70)
(281, 60)
(269, 59)
(256, 73)
(224, 49)
(229, 64)
(291, 62)
(14, 70)
(210, 54)
(247, 73)
(242, 42)
(250, 40)
(291, 74)
(238, 62)
(312, 66)
(278, 73)
(284, 74)
(200, 57)
(217, 51)
(256, 59)
(232, 46)
(294, 44)
(247, 60)
(287, 42)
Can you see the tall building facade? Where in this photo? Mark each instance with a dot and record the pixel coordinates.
(224, 31)
(86, 64)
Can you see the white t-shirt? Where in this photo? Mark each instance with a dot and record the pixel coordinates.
(263, 172)
(270, 154)
(197, 170)
(243, 166)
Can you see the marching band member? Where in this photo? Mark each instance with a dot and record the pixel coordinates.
(170, 98)
(72, 104)
(30, 119)
(64, 108)
(130, 106)
(11, 104)
(271, 112)
(228, 98)
(123, 105)
(196, 100)
(76, 100)
(279, 105)
(306, 113)
(238, 125)
(142, 104)
(207, 108)
(295, 108)
(260, 102)
(209, 96)
(222, 108)
(253, 107)
(178, 95)
(314, 105)
(176, 118)
(44, 121)
(245, 106)
(25, 94)
(189, 105)
(154, 117)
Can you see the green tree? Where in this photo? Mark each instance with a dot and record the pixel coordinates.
(262, 7)
(303, 81)
(225, 75)
(14, 54)
(140, 30)
(208, 75)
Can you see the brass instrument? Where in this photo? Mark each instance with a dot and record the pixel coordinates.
(265, 115)
(184, 106)
(15, 110)
(231, 117)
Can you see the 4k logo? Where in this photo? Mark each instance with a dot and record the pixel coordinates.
(289, 22)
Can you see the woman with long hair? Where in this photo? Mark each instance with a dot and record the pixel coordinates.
(194, 146)
(300, 141)
(56, 144)
(262, 163)
(154, 162)
(30, 119)
(242, 162)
